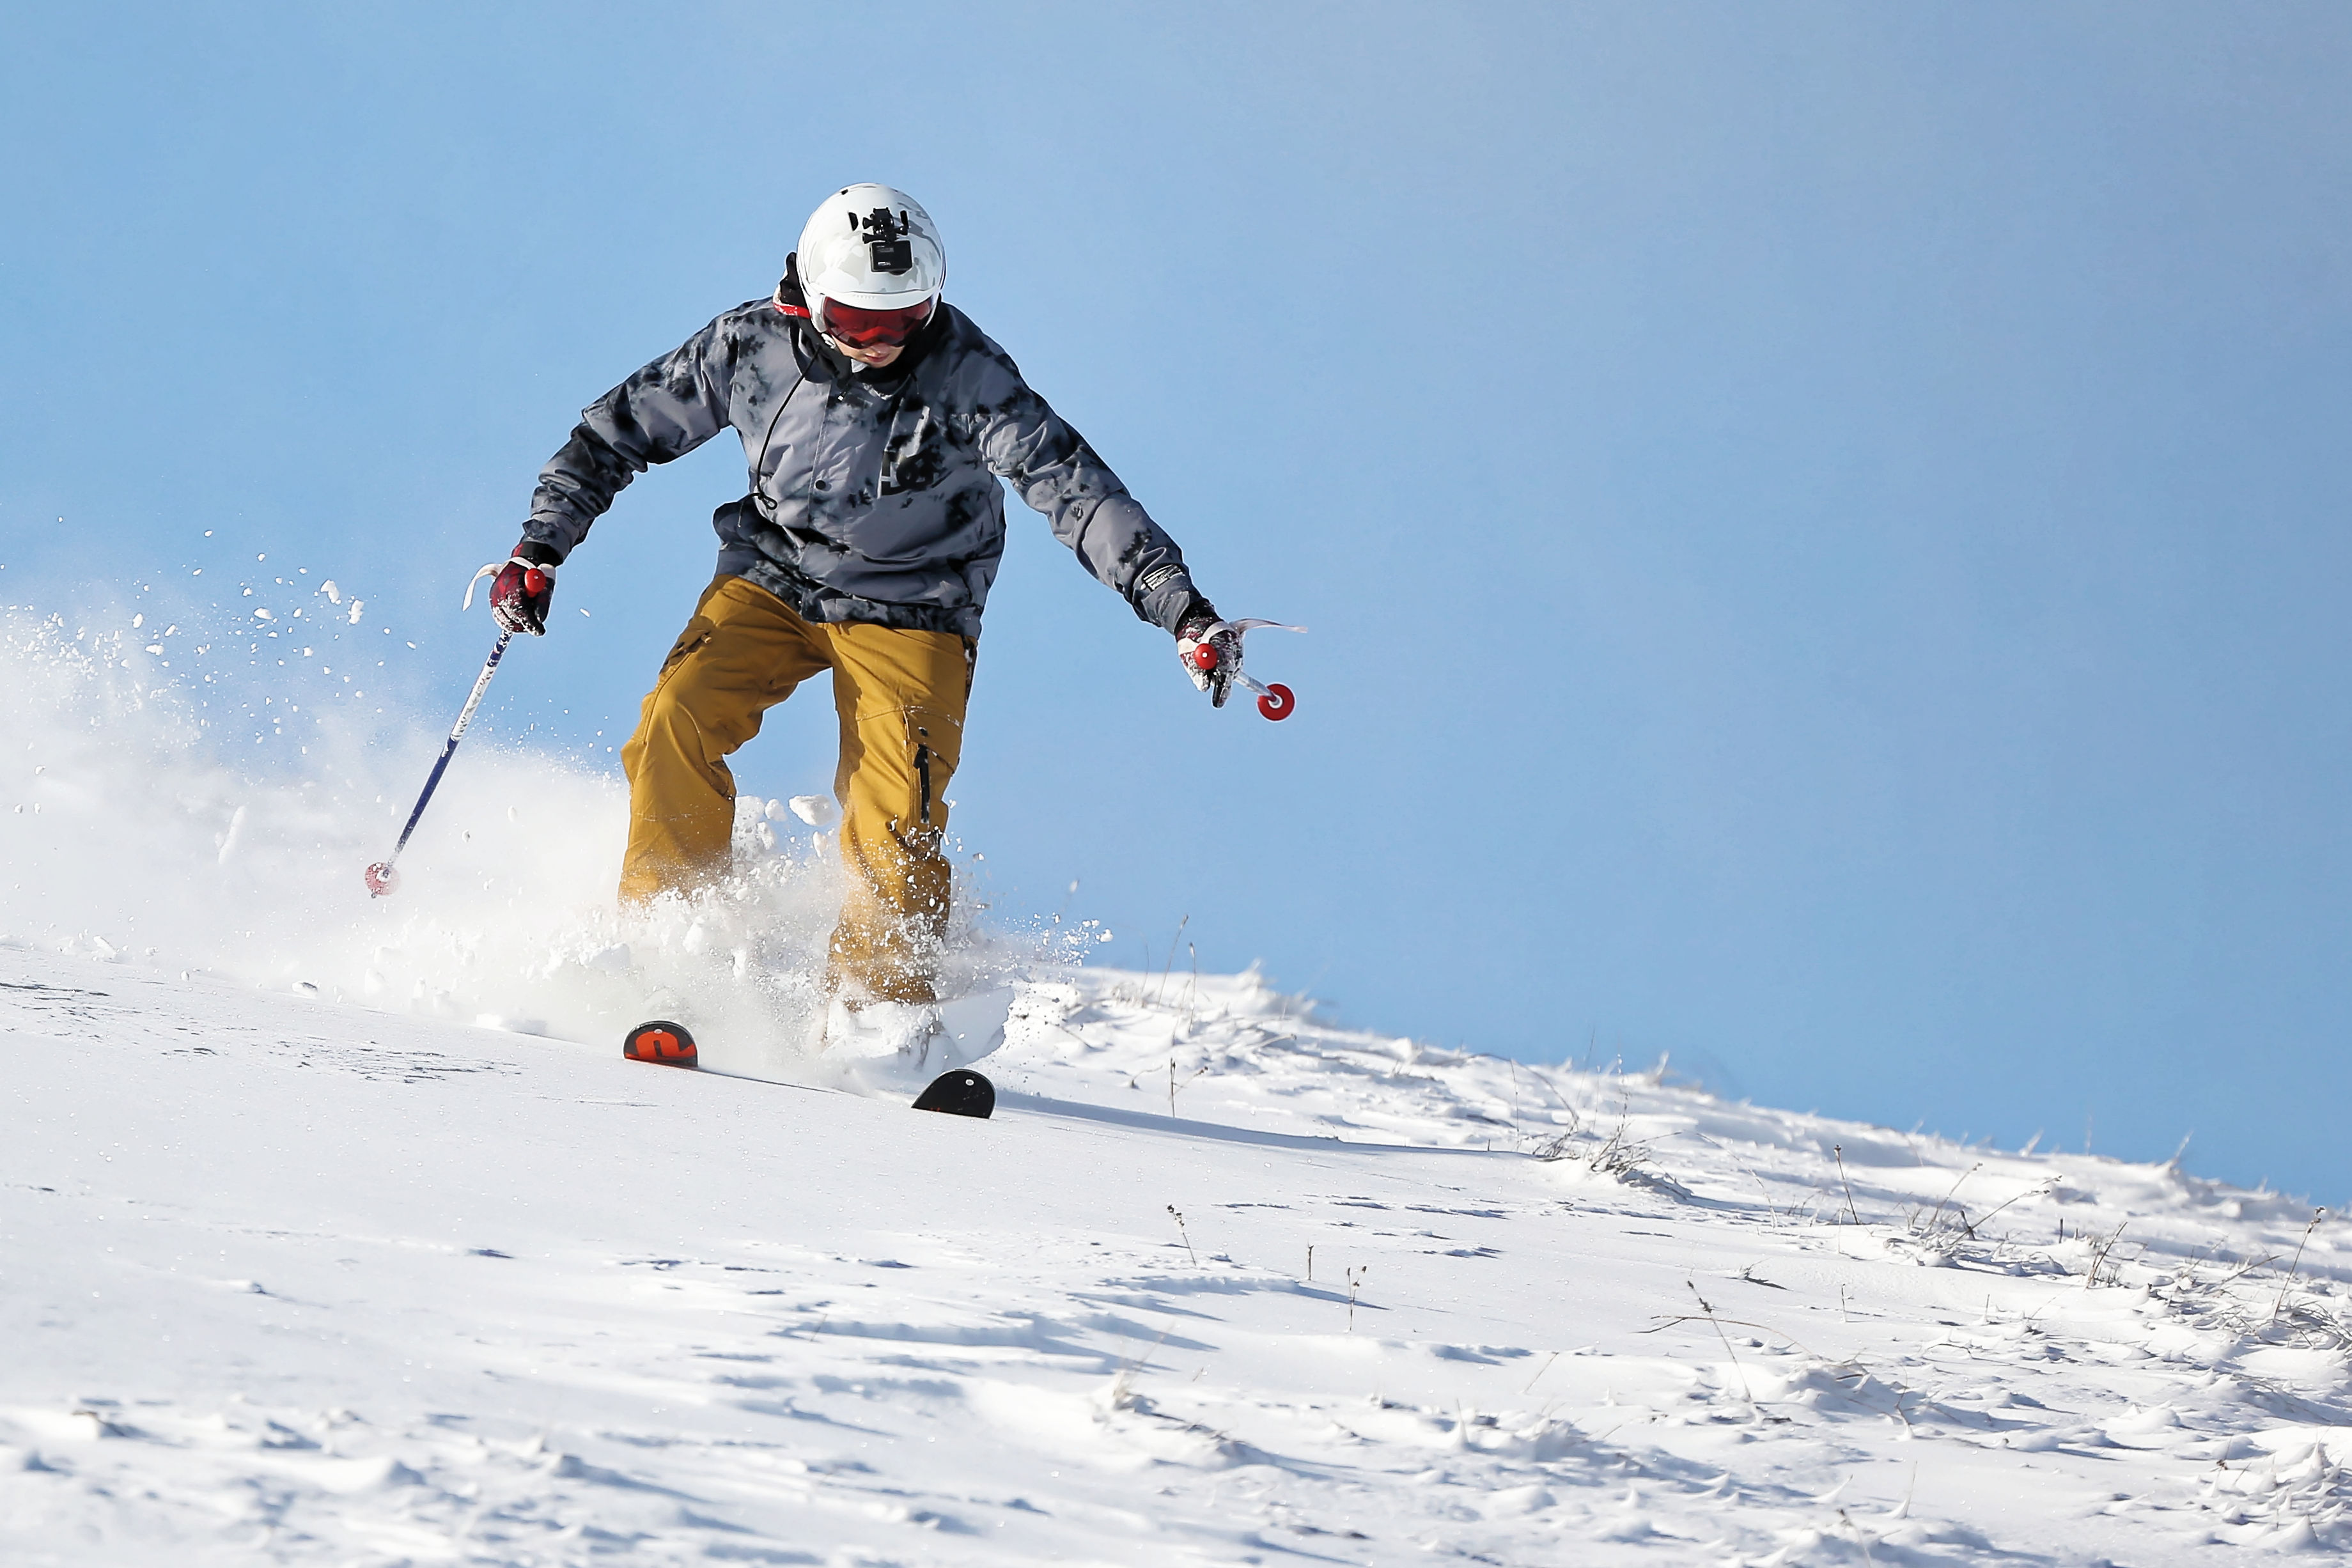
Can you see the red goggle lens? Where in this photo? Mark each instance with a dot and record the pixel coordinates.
(874, 328)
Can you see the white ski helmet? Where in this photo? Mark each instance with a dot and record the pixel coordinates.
(872, 247)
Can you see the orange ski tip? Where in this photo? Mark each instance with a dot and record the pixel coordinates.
(662, 1042)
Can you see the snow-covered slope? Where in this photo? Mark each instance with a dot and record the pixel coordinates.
(335, 1232)
(290, 1279)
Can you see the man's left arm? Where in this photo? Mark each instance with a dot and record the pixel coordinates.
(1058, 475)
(1089, 509)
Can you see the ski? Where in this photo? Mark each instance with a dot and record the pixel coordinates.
(962, 1092)
(662, 1042)
(665, 1043)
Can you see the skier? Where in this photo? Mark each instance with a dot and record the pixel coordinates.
(877, 420)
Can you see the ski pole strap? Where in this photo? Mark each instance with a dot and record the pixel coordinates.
(1239, 627)
(497, 567)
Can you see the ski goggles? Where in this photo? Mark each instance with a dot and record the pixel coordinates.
(872, 329)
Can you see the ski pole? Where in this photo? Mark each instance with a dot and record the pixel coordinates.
(1276, 701)
(381, 878)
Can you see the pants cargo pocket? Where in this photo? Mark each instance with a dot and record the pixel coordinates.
(934, 741)
(911, 788)
(697, 632)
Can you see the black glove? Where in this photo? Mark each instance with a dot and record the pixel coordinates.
(523, 588)
(1211, 651)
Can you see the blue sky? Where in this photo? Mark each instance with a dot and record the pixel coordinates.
(1823, 526)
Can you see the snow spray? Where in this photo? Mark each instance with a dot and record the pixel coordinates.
(146, 817)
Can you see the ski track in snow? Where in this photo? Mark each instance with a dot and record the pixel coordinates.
(303, 1261)
(295, 1280)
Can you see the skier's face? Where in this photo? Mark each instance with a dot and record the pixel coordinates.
(879, 355)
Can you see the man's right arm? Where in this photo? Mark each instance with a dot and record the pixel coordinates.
(664, 410)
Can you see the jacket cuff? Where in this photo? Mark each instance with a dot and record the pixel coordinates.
(1163, 594)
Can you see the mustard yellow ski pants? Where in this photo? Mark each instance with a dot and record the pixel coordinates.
(901, 697)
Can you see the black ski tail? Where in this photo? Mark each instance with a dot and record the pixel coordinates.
(962, 1092)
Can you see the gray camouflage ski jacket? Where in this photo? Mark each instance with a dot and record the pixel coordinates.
(874, 494)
